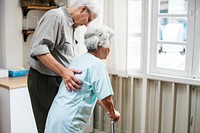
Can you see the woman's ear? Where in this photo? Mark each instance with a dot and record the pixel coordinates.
(100, 48)
(108, 50)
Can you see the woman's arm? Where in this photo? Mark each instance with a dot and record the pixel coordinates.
(101, 104)
(108, 106)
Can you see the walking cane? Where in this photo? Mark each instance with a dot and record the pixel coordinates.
(112, 126)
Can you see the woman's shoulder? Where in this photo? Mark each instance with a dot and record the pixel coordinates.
(87, 61)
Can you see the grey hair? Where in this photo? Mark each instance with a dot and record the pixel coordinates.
(92, 5)
(98, 36)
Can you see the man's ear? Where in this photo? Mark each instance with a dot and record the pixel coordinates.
(83, 8)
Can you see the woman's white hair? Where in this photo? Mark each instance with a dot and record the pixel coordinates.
(98, 36)
(92, 5)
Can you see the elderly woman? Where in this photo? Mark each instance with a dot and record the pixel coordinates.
(70, 111)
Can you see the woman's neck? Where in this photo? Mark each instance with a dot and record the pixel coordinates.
(95, 53)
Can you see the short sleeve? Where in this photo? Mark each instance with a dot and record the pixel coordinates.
(45, 35)
(101, 81)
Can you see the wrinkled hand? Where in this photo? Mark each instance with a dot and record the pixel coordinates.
(116, 116)
(71, 82)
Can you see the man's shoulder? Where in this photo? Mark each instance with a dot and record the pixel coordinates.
(56, 12)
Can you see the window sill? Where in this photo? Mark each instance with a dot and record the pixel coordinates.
(173, 79)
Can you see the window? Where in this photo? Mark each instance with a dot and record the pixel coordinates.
(126, 55)
(169, 27)
(172, 37)
(134, 48)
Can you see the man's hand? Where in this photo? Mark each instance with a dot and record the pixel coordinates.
(71, 82)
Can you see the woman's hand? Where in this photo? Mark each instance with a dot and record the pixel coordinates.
(115, 117)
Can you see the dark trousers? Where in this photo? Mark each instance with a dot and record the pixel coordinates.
(42, 90)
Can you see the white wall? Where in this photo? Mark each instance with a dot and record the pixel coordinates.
(11, 34)
(14, 51)
(1, 32)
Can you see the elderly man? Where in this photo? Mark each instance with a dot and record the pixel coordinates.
(53, 47)
(70, 111)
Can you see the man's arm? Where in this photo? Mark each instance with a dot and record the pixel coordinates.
(71, 82)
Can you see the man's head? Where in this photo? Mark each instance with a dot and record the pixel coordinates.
(84, 11)
(97, 39)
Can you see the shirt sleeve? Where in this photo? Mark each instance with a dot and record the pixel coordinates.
(45, 35)
(101, 81)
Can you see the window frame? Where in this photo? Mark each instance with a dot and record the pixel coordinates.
(196, 67)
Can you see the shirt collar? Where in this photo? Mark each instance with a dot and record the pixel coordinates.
(68, 16)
